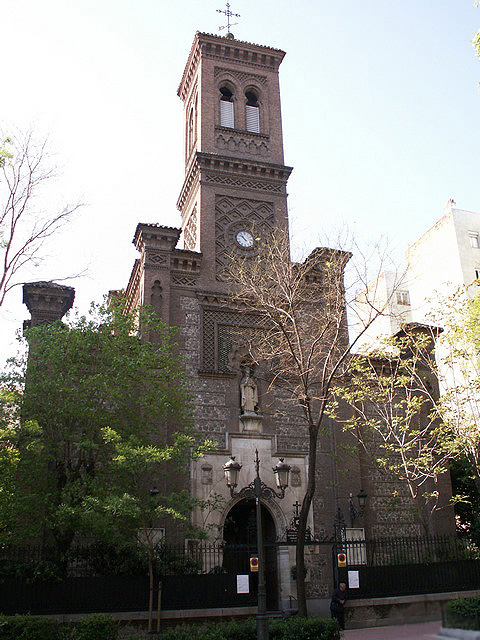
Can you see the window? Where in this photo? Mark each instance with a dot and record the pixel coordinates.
(473, 238)
(403, 297)
(252, 112)
(227, 118)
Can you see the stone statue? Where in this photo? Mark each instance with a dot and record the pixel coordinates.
(248, 392)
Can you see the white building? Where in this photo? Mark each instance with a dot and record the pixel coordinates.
(444, 258)
(389, 295)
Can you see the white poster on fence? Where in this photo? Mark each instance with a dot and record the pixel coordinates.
(353, 580)
(242, 584)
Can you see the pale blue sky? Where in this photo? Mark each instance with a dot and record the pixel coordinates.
(380, 115)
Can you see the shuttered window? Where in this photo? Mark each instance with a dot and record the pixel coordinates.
(253, 119)
(226, 114)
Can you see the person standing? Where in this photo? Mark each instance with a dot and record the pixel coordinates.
(339, 597)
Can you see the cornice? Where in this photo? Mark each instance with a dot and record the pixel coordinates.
(134, 279)
(47, 294)
(191, 179)
(228, 50)
(212, 163)
(245, 167)
(152, 235)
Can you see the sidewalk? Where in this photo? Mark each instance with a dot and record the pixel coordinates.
(422, 631)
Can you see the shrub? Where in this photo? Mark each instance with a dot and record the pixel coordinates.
(96, 627)
(28, 628)
(305, 629)
(463, 613)
(38, 628)
(245, 629)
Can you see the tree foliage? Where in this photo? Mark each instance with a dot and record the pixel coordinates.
(458, 369)
(416, 409)
(87, 433)
(393, 396)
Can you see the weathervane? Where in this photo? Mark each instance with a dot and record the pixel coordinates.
(229, 14)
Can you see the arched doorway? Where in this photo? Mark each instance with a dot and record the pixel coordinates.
(240, 535)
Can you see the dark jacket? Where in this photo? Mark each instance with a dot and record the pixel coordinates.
(338, 600)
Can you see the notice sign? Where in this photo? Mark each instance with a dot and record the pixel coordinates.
(353, 580)
(242, 584)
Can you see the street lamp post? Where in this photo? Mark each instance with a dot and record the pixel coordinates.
(153, 496)
(354, 512)
(258, 490)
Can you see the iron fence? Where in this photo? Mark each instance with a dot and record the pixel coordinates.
(409, 565)
(93, 579)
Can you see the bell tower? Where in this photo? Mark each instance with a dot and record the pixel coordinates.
(235, 180)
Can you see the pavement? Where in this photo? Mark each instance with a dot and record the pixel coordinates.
(421, 631)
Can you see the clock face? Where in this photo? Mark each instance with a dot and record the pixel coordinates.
(244, 239)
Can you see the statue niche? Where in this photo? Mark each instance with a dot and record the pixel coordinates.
(250, 417)
(248, 392)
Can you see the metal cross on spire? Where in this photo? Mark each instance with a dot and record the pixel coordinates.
(229, 15)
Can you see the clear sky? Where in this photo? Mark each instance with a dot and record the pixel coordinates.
(380, 106)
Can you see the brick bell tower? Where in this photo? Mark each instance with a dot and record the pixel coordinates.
(235, 180)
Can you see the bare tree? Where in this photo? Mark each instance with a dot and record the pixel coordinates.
(302, 340)
(25, 226)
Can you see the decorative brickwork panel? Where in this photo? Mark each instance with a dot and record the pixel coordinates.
(190, 335)
(243, 144)
(220, 328)
(244, 183)
(242, 77)
(184, 280)
(190, 231)
(156, 259)
(233, 215)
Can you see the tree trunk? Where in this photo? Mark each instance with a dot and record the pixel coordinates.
(302, 523)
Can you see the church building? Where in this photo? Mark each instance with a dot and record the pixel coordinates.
(234, 191)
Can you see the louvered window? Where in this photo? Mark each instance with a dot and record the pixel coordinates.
(253, 119)
(252, 112)
(226, 114)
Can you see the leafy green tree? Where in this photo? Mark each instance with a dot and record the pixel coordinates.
(458, 369)
(393, 396)
(410, 427)
(98, 403)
